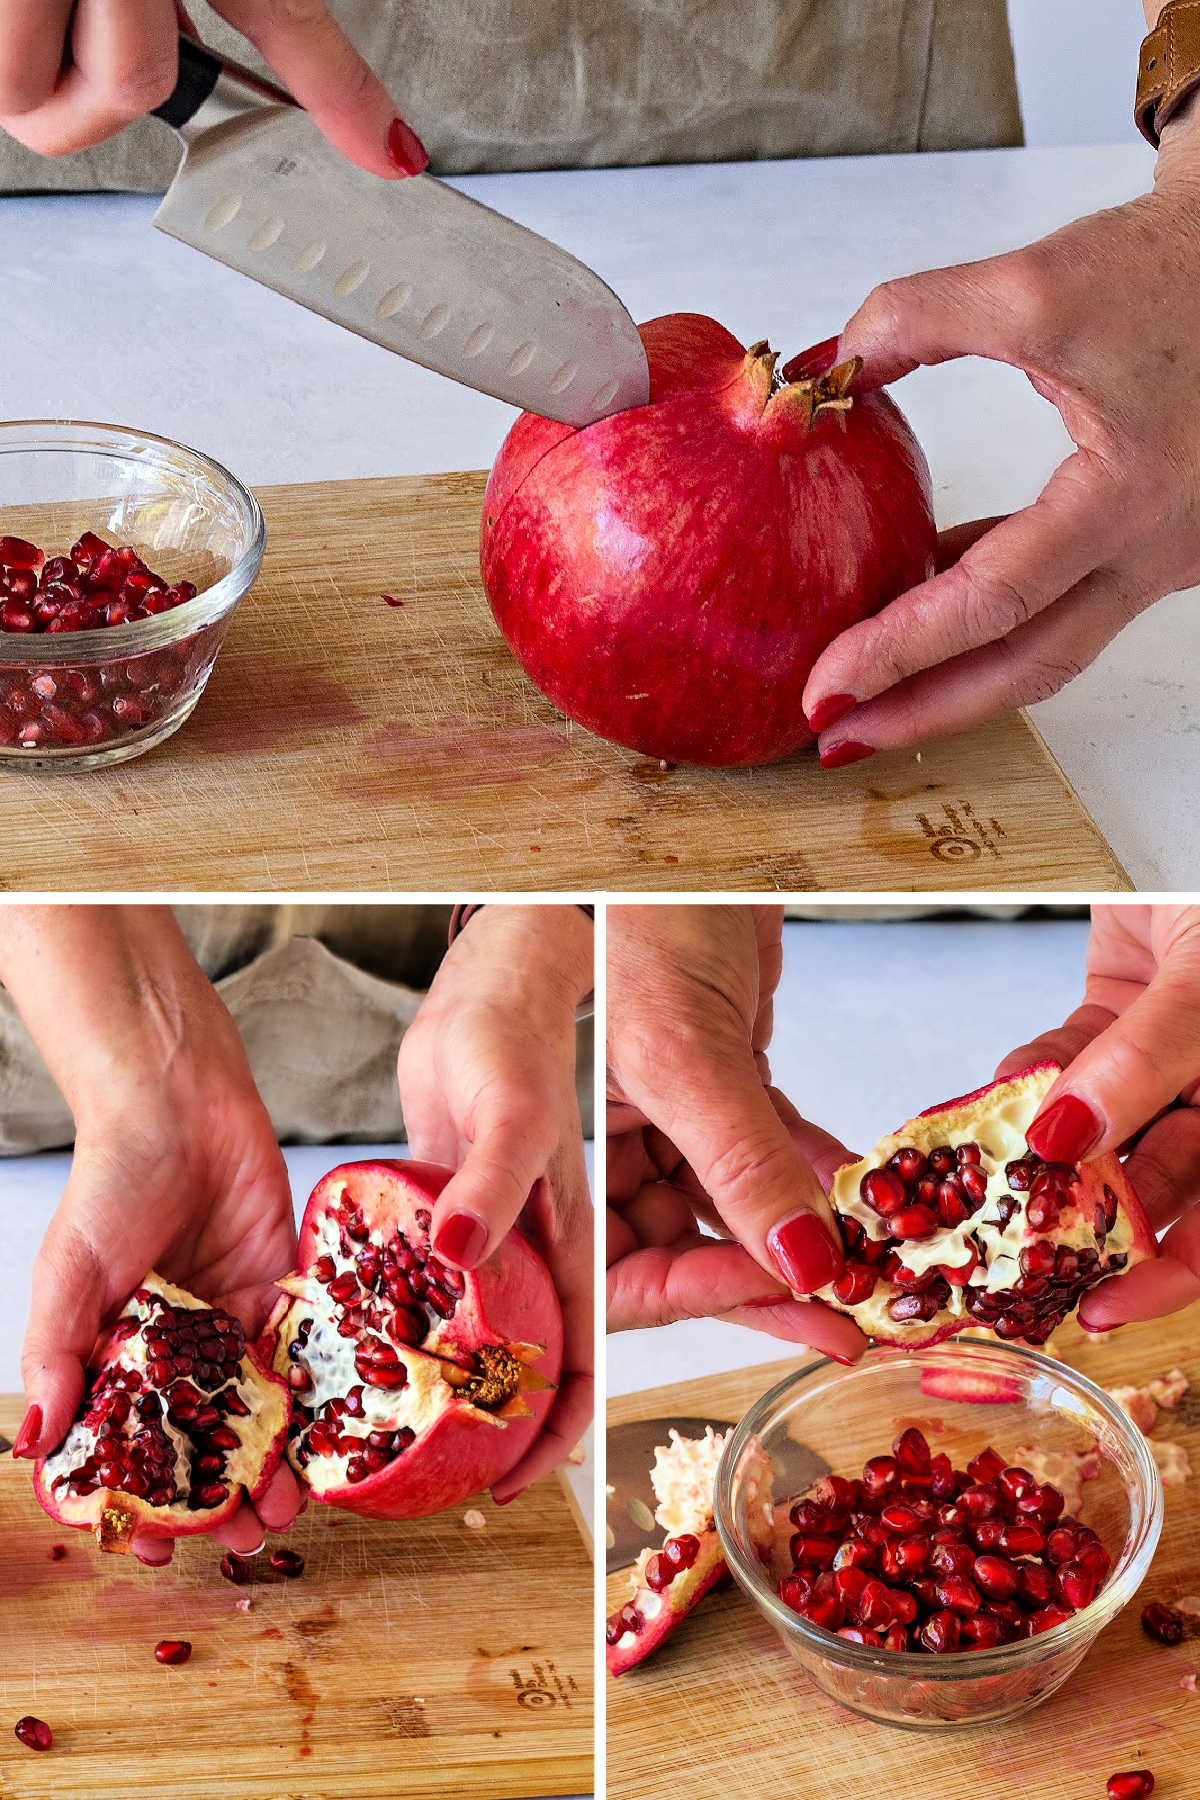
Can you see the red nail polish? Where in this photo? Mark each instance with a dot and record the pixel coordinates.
(461, 1237)
(838, 755)
(30, 1432)
(827, 712)
(1066, 1131)
(769, 1300)
(804, 1252)
(406, 149)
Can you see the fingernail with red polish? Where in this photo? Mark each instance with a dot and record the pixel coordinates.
(1066, 1131)
(461, 1238)
(768, 1300)
(804, 1252)
(30, 1432)
(838, 755)
(405, 148)
(827, 712)
(509, 1498)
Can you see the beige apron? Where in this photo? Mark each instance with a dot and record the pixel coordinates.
(544, 84)
(321, 996)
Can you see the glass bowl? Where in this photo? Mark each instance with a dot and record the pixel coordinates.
(842, 1416)
(79, 700)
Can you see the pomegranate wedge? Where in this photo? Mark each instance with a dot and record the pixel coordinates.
(178, 1424)
(953, 1221)
(670, 1581)
(413, 1385)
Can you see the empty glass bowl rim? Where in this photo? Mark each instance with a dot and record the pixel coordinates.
(107, 643)
(958, 1664)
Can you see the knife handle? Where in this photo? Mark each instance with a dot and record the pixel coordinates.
(204, 76)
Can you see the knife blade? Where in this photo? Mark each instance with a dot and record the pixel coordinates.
(410, 264)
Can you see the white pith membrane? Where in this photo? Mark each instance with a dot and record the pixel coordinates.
(682, 1477)
(407, 1387)
(996, 1122)
(249, 1405)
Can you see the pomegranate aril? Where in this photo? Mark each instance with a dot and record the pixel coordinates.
(1075, 1585)
(883, 1190)
(235, 1569)
(682, 1551)
(913, 1222)
(996, 1577)
(1022, 1539)
(875, 1605)
(796, 1590)
(1130, 1784)
(859, 1634)
(19, 553)
(880, 1474)
(824, 1610)
(899, 1517)
(941, 1632)
(909, 1164)
(1046, 1620)
(911, 1450)
(896, 1638)
(952, 1206)
(35, 1734)
(855, 1283)
(1037, 1585)
(958, 1595)
(986, 1466)
(1162, 1623)
(849, 1585)
(952, 1559)
(172, 1651)
(812, 1551)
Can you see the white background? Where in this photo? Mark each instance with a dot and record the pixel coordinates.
(1076, 64)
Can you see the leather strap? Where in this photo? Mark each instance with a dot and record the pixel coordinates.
(1169, 69)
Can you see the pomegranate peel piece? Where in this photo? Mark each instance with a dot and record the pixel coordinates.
(414, 1384)
(179, 1423)
(1023, 1238)
(668, 1583)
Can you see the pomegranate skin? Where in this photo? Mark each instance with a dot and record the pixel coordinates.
(668, 576)
(660, 1613)
(990, 1123)
(509, 1305)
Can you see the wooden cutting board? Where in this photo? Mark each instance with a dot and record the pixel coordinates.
(420, 1659)
(723, 1709)
(347, 744)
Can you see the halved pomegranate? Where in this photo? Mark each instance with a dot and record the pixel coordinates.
(670, 1581)
(178, 1424)
(953, 1221)
(413, 1385)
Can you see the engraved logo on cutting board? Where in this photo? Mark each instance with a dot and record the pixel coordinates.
(543, 1687)
(959, 835)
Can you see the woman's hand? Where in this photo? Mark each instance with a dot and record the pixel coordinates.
(698, 1137)
(1104, 318)
(487, 1083)
(74, 72)
(176, 1166)
(1131, 1057)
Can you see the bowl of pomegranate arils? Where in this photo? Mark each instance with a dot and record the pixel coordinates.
(122, 558)
(986, 1513)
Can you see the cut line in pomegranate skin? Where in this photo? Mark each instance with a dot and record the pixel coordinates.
(668, 1583)
(953, 1222)
(414, 1385)
(919, 1556)
(669, 576)
(179, 1423)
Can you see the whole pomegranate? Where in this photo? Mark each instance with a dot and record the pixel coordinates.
(668, 576)
(178, 1424)
(413, 1385)
(953, 1221)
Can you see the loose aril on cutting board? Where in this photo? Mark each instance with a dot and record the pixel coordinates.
(918, 1555)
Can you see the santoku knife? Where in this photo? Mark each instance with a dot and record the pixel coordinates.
(411, 264)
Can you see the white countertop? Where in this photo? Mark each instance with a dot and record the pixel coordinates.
(873, 1023)
(107, 319)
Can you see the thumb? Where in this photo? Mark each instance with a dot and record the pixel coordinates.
(930, 318)
(67, 1309)
(1132, 1070)
(722, 1119)
(480, 1204)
